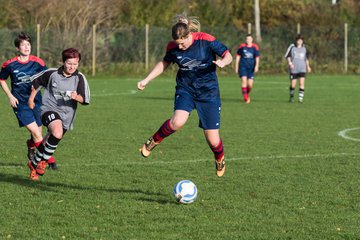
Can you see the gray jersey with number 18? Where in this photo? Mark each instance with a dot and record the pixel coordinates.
(57, 93)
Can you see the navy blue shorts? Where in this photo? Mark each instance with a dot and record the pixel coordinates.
(247, 72)
(207, 110)
(25, 115)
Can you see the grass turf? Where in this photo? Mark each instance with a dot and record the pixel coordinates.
(289, 174)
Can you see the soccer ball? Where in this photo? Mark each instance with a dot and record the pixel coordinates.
(185, 192)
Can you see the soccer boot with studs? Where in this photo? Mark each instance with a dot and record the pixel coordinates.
(33, 174)
(147, 147)
(220, 167)
(40, 168)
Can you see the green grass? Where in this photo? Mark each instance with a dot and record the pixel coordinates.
(289, 175)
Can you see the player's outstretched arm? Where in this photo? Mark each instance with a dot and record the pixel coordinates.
(12, 100)
(226, 60)
(159, 68)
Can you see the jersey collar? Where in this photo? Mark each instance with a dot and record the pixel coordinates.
(61, 71)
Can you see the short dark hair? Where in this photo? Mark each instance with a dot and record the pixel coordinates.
(299, 36)
(21, 37)
(70, 53)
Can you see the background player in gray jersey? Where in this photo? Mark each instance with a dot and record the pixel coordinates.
(65, 87)
(296, 56)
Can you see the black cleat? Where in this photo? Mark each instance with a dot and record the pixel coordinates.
(53, 166)
(31, 151)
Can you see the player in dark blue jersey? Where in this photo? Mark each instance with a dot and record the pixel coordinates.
(20, 69)
(196, 85)
(246, 64)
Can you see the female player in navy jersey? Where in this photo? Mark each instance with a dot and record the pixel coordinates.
(20, 69)
(246, 64)
(196, 85)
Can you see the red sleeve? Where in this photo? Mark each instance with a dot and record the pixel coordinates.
(171, 45)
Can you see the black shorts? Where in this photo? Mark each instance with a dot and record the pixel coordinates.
(297, 75)
(48, 117)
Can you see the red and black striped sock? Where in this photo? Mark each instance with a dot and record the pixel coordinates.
(218, 150)
(164, 131)
(245, 93)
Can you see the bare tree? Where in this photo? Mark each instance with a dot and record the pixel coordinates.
(65, 23)
(257, 20)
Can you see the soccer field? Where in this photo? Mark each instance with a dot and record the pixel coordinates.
(292, 169)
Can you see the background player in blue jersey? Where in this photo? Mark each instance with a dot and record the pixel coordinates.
(65, 87)
(196, 85)
(246, 64)
(20, 69)
(298, 63)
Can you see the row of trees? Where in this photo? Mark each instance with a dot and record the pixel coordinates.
(69, 23)
(67, 14)
(117, 13)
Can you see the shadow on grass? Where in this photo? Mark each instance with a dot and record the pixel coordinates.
(54, 187)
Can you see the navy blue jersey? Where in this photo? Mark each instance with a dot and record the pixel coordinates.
(20, 73)
(248, 55)
(197, 72)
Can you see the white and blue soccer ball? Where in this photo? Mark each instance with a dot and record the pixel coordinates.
(185, 192)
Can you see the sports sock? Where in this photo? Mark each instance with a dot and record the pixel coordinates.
(50, 147)
(51, 160)
(249, 89)
(245, 93)
(164, 131)
(218, 150)
(30, 143)
(292, 92)
(38, 144)
(301, 93)
(38, 155)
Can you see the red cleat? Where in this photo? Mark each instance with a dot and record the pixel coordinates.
(33, 175)
(40, 169)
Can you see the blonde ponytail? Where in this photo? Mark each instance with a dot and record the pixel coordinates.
(192, 21)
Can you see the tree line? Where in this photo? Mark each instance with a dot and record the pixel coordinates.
(69, 22)
(67, 14)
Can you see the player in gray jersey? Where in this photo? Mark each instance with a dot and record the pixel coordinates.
(65, 87)
(296, 55)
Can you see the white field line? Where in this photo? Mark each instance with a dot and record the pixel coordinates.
(344, 133)
(106, 94)
(151, 162)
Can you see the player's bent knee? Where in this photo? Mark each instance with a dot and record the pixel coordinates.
(57, 132)
(176, 124)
